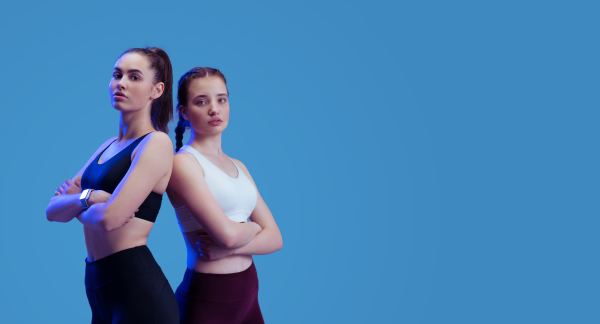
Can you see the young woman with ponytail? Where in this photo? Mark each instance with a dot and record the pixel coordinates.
(118, 193)
(213, 196)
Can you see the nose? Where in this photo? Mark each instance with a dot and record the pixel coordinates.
(213, 111)
(120, 85)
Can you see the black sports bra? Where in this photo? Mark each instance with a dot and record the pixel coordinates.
(108, 175)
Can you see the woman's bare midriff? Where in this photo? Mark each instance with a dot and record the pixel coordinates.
(102, 244)
(231, 264)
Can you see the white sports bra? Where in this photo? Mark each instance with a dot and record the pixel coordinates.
(236, 196)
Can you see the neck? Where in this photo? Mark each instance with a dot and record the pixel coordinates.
(206, 144)
(134, 124)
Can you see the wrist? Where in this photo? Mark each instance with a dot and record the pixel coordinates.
(84, 198)
(91, 200)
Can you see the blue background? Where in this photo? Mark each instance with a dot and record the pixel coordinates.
(427, 162)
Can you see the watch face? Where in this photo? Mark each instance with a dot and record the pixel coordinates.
(83, 194)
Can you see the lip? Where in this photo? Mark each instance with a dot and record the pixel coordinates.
(119, 95)
(215, 122)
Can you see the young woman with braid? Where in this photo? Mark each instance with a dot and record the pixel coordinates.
(118, 193)
(213, 196)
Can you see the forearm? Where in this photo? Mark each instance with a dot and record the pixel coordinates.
(266, 242)
(242, 235)
(63, 208)
(94, 217)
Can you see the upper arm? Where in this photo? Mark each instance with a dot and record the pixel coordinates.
(152, 162)
(261, 213)
(98, 150)
(188, 182)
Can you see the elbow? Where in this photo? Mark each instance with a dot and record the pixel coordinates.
(278, 243)
(49, 216)
(229, 241)
(106, 227)
(107, 224)
(230, 244)
(52, 216)
(109, 219)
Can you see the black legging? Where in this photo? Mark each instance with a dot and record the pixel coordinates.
(129, 287)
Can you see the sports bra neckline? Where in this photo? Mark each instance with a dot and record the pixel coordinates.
(121, 151)
(185, 147)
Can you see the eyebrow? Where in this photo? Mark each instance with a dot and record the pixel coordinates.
(129, 71)
(205, 96)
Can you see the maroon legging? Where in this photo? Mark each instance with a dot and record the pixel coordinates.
(205, 298)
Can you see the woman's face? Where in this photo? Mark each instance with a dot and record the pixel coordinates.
(207, 107)
(132, 85)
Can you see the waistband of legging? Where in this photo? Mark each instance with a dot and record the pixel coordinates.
(118, 265)
(219, 287)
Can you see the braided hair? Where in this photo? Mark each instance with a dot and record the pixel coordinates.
(182, 97)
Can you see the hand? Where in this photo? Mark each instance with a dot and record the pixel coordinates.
(209, 250)
(69, 187)
(132, 216)
(98, 196)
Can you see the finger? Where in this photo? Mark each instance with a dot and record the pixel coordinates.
(203, 255)
(56, 193)
(69, 181)
(201, 232)
(205, 238)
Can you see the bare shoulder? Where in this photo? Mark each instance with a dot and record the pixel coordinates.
(159, 140)
(156, 144)
(183, 157)
(185, 162)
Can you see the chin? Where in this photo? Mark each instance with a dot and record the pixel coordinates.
(117, 105)
(121, 107)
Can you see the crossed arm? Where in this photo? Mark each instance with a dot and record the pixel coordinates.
(188, 182)
(267, 241)
(152, 161)
(65, 204)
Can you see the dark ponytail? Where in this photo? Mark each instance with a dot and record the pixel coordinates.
(182, 97)
(162, 107)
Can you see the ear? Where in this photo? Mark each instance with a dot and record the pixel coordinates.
(157, 90)
(183, 111)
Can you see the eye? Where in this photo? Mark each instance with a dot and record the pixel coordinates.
(135, 78)
(222, 100)
(116, 75)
